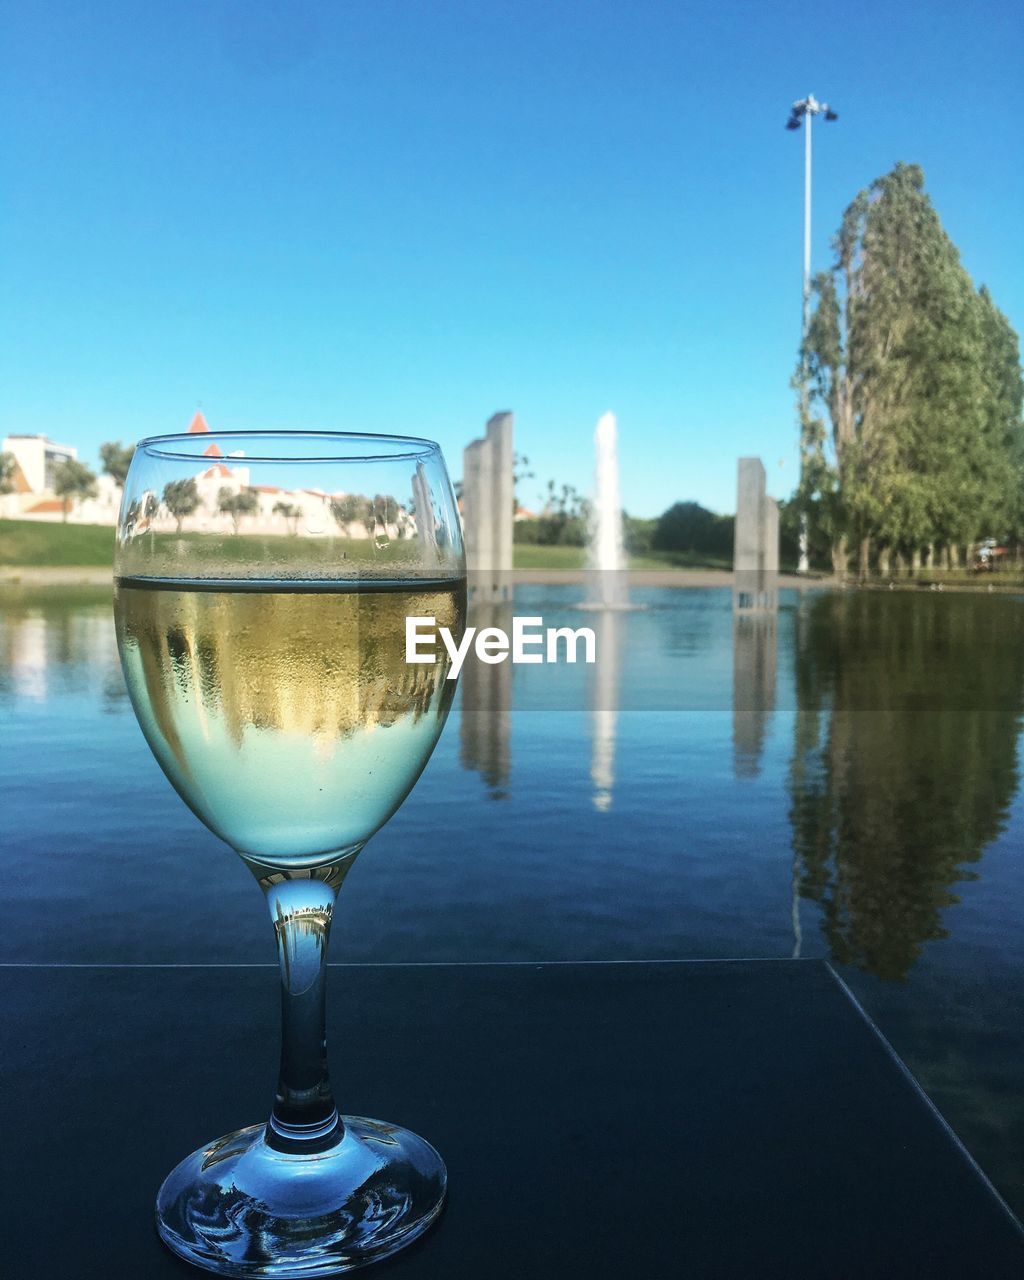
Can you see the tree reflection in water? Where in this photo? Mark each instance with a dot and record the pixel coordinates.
(905, 761)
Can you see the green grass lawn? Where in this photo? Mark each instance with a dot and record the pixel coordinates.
(530, 556)
(26, 543)
(679, 560)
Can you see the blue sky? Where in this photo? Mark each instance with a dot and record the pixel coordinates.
(404, 215)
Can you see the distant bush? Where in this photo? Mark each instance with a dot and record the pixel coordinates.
(638, 534)
(687, 526)
(562, 523)
(559, 530)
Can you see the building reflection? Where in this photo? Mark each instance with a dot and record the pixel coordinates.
(604, 704)
(904, 762)
(485, 729)
(25, 656)
(50, 646)
(754, 660)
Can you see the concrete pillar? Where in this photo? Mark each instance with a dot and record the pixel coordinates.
(499, 435)
(756, 540)
(749, 516)
(487, 492)
(423, 505)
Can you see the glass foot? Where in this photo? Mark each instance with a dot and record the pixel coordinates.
(240, 1207)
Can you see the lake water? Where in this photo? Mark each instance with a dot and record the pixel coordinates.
(839, 781)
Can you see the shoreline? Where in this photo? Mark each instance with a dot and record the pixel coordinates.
(101, 576)
(678, 578)
(55, 575)
(17, 576)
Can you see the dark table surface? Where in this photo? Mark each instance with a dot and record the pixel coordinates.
(720, 1119)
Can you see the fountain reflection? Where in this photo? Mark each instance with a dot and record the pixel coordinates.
(904, 762)
(485, 726)
(604, 706)
(754, 644)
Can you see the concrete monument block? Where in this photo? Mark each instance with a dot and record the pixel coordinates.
(756, 540)
(749, 515)
(487, 497)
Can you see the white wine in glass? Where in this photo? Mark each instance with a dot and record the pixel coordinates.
(262, 586)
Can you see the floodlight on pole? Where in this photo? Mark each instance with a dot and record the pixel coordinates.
(802, 113)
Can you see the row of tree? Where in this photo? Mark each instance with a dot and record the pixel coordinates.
(180, 499)
(910, 393)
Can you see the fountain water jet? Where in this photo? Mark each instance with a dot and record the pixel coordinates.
(608, 595)
(607, 587)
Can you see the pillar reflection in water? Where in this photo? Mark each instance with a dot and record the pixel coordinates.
(754, 660)
(485, 729)
(604, 704)
(755, 621)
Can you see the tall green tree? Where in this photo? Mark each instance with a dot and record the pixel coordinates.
(237, 505)
(73, 482)
(922, 443)
(181, 498)
(116, 458)
(352, 508)
(8, 463)
(291, 513)
(1003, 437)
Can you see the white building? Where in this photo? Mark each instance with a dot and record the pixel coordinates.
(311, 510)
(37, 458)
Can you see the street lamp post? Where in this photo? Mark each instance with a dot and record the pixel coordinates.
(803, 112)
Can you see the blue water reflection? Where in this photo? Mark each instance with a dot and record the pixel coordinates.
(838, 780)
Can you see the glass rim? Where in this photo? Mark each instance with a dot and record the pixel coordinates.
(410, 448)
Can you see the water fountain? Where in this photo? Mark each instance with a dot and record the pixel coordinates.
(607, 587)
(607, 594)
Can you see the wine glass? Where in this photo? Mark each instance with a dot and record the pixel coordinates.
(262, 583)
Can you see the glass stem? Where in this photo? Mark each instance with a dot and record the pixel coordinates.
(301, 904)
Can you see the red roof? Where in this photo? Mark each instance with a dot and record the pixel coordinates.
(48, 504)
(212, 450)
(219, 470)
(266, 488)
(198, 424)
(21, 485)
